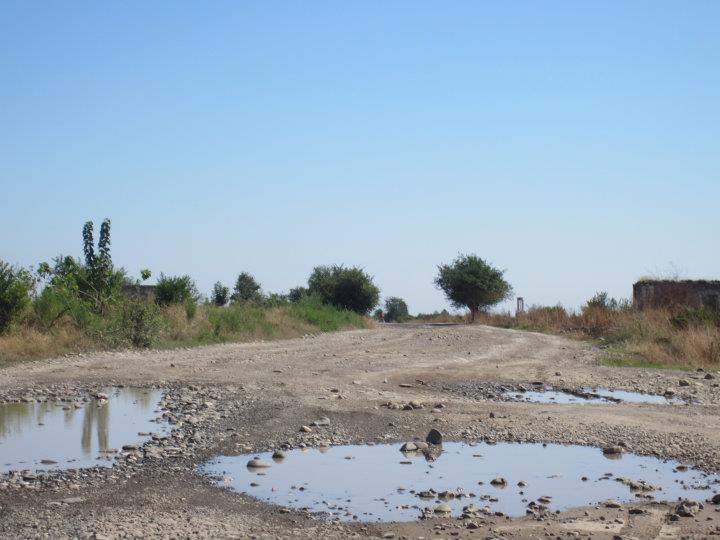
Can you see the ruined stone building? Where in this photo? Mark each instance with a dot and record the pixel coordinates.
(654, 294)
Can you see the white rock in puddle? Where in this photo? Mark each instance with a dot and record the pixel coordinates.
(257, 463)
(278, 454)
(408, 447)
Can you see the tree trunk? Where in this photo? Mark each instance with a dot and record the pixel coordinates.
(473, 312)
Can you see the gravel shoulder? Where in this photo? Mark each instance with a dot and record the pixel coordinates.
(253, 397)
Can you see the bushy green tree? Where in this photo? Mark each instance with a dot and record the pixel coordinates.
(347, 288)
(471, 282)
(297, 293)
(16, 287)
(175, 290)
(220, 294)
(396, 309)
(247, 289)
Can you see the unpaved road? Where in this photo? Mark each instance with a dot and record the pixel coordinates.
(264, 392)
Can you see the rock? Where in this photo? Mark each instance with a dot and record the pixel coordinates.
(443, 508)
(683, 382)
(324, 421)
(278, 454)
(434, 437)
(499, 481)
(709, 376)
(716, 499)
(48, 462)
(669, 392)
(612, 504)
(613, 450)
(408, 447)
(688, 508)
(305, 429)
(257, 463)
(73, 500)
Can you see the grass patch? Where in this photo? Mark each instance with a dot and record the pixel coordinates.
(171, 327)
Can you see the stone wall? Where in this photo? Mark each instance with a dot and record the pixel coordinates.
(656, 294)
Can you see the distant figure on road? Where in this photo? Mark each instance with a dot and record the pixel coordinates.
(381, 316)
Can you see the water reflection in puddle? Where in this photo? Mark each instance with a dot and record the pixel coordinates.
(586, 395)
(52, 435)
(379, 483)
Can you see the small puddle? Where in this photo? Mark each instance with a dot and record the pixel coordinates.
(538, 393)
(586, 395)
(380, 483)
(76, 434)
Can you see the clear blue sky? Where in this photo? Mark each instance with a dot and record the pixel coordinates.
(576, 144)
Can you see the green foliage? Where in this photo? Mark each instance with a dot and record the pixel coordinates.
(696, 317)
(396, 309)
(175, 290)
(276, 300)
(145, 274)
(247, 289)
(297, 293)
(190, 308)
(603, 301)
(137, 323)
(220, 294)
(238, 319)
(345, 288)
(473, 283)
(16, 286)
(326, 318)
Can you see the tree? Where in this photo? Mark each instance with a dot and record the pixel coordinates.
(396, 309)
(472, 283)
(346, 288)
(220, 294)
(297, 293)
(16, 285)
(247, 289)
(175, 290)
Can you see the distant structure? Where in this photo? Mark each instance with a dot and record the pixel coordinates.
(657, 294)
(520, 306)
(145, 292)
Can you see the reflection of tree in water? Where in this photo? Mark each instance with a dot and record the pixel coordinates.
(15, 416)
(100, 416)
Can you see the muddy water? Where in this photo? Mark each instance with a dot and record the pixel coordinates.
(379, 483)
(54, 435)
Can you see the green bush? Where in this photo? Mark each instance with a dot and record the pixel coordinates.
(237, 319)
(297, 293)
(345, 288)
(175, 290)
(327, 318)
(396, 309)
(220, 294)
(690, 317)
(190, 308)
(16, 286)
(247, 289)
(137, 323)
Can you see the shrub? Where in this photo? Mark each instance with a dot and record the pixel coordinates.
(190, 308)
(175, 290)
(471, 282)
(325, 317)
(276, 300)
(396, 309)
(345, 288)
(247, 289)
(16, 285)
(696, 317)
(137, 323)
(220, 294)
(297, 293)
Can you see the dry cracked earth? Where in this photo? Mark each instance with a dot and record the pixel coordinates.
(245, 398)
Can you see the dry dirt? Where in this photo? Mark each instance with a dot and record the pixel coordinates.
(269, 390)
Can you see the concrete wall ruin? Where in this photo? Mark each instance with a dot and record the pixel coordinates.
(658, 294)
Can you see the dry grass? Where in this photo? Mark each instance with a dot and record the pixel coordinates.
(648, 336)
(29, 343)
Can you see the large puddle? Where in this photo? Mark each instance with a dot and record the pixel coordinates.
(75, 434)
(379, 483)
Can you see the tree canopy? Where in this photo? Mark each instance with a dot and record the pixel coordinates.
(346, 288)
(471, 282)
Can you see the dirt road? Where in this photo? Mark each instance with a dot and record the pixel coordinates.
(253, 397)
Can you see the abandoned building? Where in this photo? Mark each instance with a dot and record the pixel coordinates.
(139, 291)
(656, 294)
